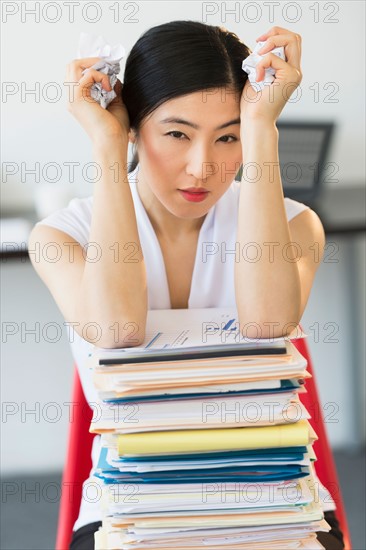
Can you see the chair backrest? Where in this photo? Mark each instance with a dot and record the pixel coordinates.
(78, 460)
(324, 465)
(78, 464)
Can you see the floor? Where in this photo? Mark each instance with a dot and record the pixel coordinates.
(30, 506)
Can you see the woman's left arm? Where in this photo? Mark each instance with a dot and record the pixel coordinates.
(278, 259)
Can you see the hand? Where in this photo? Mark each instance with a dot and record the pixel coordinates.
(268, 103)
(100, 124)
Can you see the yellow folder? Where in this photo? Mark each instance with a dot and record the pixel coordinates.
(217, 439)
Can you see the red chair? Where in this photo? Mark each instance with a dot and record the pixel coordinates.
(77, 465)
(324, 465)
(78, 460)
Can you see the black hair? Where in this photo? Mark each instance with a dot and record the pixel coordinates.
(178, 58)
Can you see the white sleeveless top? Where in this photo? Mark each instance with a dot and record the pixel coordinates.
(212, 285)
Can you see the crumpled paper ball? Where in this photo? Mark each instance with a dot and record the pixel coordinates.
(249, 65)
(96, 46)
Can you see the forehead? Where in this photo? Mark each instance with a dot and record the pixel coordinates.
(208, 107)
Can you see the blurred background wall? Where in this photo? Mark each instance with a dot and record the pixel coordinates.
(39, 135)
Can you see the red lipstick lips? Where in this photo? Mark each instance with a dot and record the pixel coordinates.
(194, 194)
(195, 190)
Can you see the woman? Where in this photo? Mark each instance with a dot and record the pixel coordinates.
(193, 117)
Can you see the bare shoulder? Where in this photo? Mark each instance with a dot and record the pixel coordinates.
(307, 230)
(307, 233)
(59, 261)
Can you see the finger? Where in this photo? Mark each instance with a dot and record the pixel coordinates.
(272, 32)
(91, 76)
(278, 64)
(76, 67)
(291, 44)
(269, 60)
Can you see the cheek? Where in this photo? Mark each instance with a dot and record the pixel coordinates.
(151, 149)
(228, 168)
(158, 153)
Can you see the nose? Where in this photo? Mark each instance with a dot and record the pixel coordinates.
(199, 163)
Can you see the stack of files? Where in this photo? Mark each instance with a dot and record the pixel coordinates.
(204, 440)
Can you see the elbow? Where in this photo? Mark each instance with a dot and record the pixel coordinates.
(127, 343)
(129, 337)
(112, 329)
(114, 333)
(258, 328)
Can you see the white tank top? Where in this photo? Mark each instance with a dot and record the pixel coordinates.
(213, 271)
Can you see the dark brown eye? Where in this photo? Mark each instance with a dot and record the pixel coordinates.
(232, 137)
(175, 132)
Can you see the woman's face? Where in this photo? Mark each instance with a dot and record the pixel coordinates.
(193, 152)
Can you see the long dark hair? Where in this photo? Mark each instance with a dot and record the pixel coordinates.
(178, 58)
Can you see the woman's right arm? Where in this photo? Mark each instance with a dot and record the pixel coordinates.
(108, 287)
(113, 290)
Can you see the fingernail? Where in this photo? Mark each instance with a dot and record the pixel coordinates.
(264, 45)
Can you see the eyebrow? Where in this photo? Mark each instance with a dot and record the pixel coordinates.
(195, 126)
